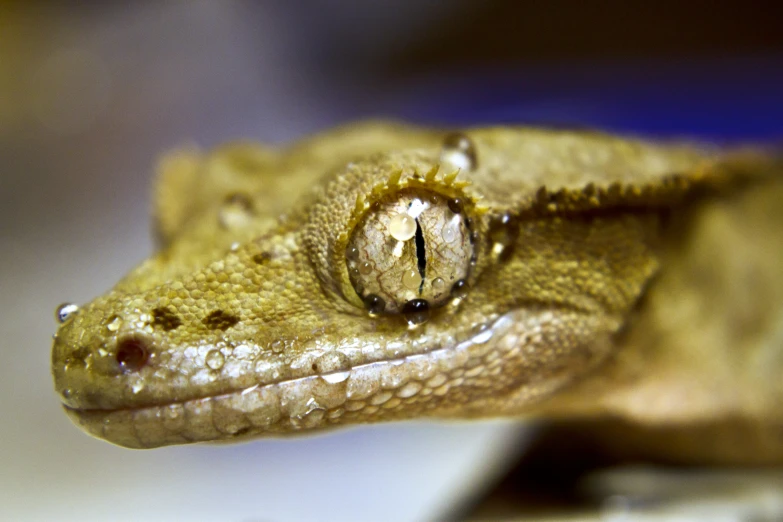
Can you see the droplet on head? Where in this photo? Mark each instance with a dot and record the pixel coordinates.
(236, 211)
(402, 227)
(132, 354)
(365, 268)
(65, 311)
(416, 311)
(411, 279)
(215, 359)
(455, 205)
(459, 151)
(374, 304)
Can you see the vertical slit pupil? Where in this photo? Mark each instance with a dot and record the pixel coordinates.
(421, 255)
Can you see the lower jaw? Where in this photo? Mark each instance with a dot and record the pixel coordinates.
(411, 386)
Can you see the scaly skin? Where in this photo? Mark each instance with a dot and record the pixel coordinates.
(633, 281)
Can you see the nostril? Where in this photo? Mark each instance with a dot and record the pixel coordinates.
(132, 354)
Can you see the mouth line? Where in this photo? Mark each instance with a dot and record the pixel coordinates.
(334, 377)
(364, 393)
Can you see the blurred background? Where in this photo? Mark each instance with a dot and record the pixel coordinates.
(92, 93)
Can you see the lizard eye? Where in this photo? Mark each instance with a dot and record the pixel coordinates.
(410, 252)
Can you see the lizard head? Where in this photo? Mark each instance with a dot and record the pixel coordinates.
(435, 281)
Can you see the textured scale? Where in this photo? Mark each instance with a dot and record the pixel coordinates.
(612, 279)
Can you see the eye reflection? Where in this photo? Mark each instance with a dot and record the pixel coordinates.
(412, 246)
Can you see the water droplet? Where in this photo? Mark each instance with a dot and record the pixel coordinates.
(411, 279)
(455, 205)
(459, 151)
(365, 268)
(250, 389)
(266, 371)
(352, 253)
(483, 336)
(503, 233)
(312, 415)
(137, 386)
(236, 211)
(374, 304)
(402, 227)
(215, 360)
(234, 246)
(438, 285)
(114, 323)
(459, 290)
(333, 361)
(277, 346)
(416, 311)
(450, 231)
(65, 311)
(336, 378)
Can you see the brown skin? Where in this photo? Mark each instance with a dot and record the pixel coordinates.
(634, 281)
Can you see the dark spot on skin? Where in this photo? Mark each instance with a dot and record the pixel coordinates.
(262, 258)
(165, 318)
(220, 320)
(132, 354)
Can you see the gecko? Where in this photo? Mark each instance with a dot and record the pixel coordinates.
(382, 272)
